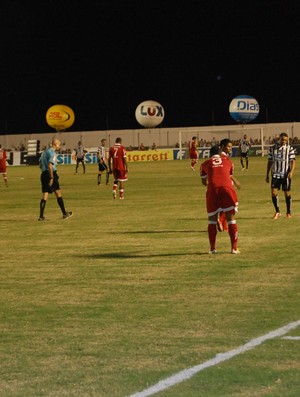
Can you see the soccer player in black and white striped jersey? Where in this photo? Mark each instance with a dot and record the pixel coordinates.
(282, 163)
(244, 147)
(102, 162)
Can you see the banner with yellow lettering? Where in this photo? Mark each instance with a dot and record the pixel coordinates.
(149, 155)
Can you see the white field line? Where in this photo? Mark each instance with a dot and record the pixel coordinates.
(189, 372)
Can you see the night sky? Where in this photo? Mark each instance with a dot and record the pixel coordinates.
(102, 58)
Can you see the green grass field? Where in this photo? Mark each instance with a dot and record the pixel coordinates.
(124, 294)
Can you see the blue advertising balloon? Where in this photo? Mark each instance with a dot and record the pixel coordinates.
(244, 108)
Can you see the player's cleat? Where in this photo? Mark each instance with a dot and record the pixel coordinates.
(42, 218)
(212, 252)
(220, 226)
(114, 194)
(288, 216)
(68, 215)
(277, 215)
(236, 252)
(122, 198)
(243, 169)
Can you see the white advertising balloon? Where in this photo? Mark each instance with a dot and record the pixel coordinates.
(149, 114)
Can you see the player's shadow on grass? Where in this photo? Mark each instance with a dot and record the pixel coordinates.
(160, 231)
(128, 255)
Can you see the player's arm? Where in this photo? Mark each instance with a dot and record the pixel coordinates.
(235, 182)
(293, 165)
(126, 164)
(203, 175)
(50, 169)
(102, 157)
(204, 180)
(269, 166)
(110, 163)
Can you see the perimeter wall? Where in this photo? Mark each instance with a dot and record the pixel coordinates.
(162, 137)
(171, 143)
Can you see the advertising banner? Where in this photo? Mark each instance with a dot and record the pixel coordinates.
(135, 156)
(150, 155)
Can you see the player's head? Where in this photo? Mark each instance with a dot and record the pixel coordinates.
(119, 140)
(79, 143)
(214, 150)
(226, 145)
(55, 144)
(103, 142)
(245, 136)
(283, 138)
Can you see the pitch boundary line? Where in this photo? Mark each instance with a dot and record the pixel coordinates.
(189, 372)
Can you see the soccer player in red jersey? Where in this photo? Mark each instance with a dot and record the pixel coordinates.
(3, 165)
(226, 149)
(193, 152)
(216, 174)
(118, 167)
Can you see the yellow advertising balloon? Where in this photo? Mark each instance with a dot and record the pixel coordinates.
(60, 117)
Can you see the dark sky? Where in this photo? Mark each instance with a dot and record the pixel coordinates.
(103, 57)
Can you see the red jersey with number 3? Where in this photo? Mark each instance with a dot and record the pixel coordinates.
(220, 194)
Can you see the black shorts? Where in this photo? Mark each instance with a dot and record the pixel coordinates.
(244, 154)
(80, 160)
(102, 167)
(45, 179)
(285, 183)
